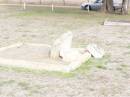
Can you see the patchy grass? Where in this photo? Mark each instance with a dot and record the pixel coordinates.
(60, 20)
(64, 13)
(24, 85)
(128, 46)
(83, 69)
(93, 63)
(31, 88)
(5, 82)
(68, 12)
(123, 68)
(129, 50)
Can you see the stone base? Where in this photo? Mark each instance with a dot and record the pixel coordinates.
(117, 23)
(36, 56)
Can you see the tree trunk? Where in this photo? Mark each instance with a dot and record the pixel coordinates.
(64, 2)
(40, 1)
(107, 6)
(124, 7)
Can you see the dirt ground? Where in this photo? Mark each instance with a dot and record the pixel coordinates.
(17, 25)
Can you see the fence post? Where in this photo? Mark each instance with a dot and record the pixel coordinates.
(128, 4)
(88, 6)
(64, 2)
(40, 1)
(52, 6)
(24, 4)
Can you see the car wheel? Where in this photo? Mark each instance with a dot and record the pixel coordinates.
(87, 7)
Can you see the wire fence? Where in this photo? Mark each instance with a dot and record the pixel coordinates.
(52, 3)
(44, 2)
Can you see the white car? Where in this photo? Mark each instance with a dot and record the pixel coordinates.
(97, 5)
(92, 6)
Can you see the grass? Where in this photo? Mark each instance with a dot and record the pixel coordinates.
(30, 88)
(93, 63)
(73, 13)
(60, 20)
(83, 69)
(3, 82)
(129, 50)
(67, 12)
(24, 85)
(123, 68)
(128, 46)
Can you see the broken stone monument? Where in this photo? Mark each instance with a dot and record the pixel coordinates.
(62, 43)
(58, 57)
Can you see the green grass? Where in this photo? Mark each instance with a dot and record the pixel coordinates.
(73, 12)
(129, 50)
(128, 46)
(24, 85)
(30, 88)
(83, 69)
(93, 63)
(61, 20)
(5, 82)
(123, 68)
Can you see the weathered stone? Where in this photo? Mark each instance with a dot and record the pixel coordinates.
(69, 55)
(55, 52)
(74, 54)
(116, 23)
(95, 51)
(62, 49)
(62, 43)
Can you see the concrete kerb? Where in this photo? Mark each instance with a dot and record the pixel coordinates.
(116, 23)
(39, 65)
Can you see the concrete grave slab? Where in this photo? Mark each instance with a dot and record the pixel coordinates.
(116, 23)
(36, 56)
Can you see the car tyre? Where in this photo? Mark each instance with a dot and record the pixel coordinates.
(86, 7)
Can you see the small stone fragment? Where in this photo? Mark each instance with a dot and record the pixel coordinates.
(95, 51)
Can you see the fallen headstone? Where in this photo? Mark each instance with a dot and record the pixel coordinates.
(74, 54)
(62, 49)
(62, 43)
(58, 57)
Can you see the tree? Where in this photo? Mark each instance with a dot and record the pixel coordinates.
(107, 6)
(124, 6)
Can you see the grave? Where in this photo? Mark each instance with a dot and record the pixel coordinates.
(58, 57)
(116, 23)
